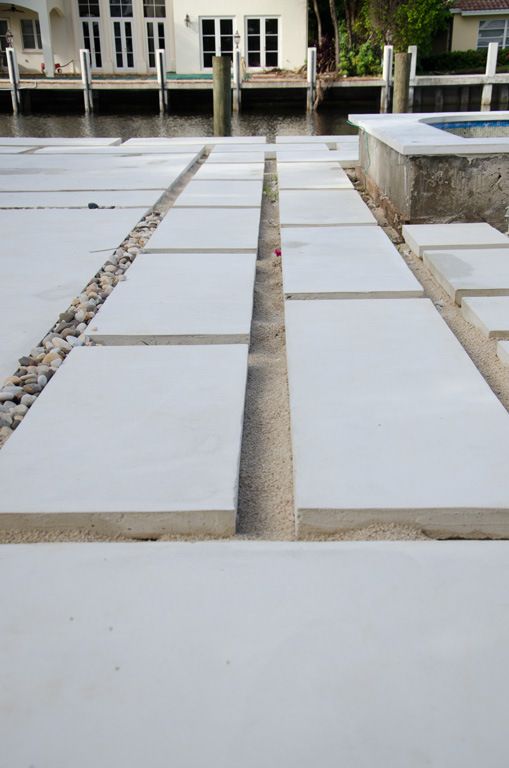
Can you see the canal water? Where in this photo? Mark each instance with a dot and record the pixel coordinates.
(126, 126)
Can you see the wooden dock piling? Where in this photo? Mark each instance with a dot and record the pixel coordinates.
(222, 96)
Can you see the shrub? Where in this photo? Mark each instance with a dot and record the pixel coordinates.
(463, 62)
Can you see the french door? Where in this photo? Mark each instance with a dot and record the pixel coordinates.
(92, 41)
(262, 42)
(155, 39)
(4, 26)
(216, 39)
(123, 40)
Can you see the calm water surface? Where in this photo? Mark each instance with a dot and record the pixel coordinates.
(126, 126)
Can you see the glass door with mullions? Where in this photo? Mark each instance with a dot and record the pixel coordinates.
(155, 40)
(123, 37)
(4, 28)
(92, 41)
(216, 39)
(262, 42)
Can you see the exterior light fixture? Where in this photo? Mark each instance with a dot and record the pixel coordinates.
(236, 37)
(187, 20)
(9, 38)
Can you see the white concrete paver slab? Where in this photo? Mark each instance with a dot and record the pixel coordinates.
(47, 259)
(208, 140)
(235, 157)
(170, 298)
(312, 176)
(470, 272)
(488, 313)
(317, 207)
(503, 352)
(347, 157)
(217, 194)
(146, 440)
(207, 230)
(427, 237)
(14, 150)
(118, 198)
(163, 643)
(45, 141)
(392, 422)
(343, 262)
(270, 149)
(124, 149)
(229, 171)
(327, 139)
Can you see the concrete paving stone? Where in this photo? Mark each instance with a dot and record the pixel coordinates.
(330, 648)
(47, 259)
(343, 262)
(428, 237)
(392, 422)
(323, 207)
(470, 272)
(206, 230)
(14, 150)
(141, 441)
(208, 140)
(230, 171)
(235, 157)
(488, 313)
(269, 149)
(123, 149)
(347, 158)
(503, 352)
(217, 194)
(327, 139)
(26, 173)
(119, 198)
(312, 176)
(45, 141)
(172, 298)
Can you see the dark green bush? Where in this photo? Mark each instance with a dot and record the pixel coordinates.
(459, 61)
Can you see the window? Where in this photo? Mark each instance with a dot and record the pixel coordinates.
(154, 9)
(262, 42)
(216, 40)
(89, 9)
(121, 8)
(31, 34)
(155, 39)
(92, 41)
(495, 31)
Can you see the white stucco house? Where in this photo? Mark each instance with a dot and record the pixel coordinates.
(123, 35)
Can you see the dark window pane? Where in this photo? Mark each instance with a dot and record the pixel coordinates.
(160, 33)
(226, 26)
(271, 43)
(209, 44)
(38, 33)
(207, 60)
(226, 44)
(271, 59)
(253, 26)
(208, 27)
(253, 42)
(28, 34)
(253, 59)
(271, 26)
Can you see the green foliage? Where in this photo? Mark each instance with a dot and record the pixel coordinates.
(463, 62)
(364, 57)
(417, 21)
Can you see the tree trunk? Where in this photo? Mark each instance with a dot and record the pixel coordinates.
(334, 17)
(318, 21)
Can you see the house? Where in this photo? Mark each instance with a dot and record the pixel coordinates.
(476, 23)
(123, 35)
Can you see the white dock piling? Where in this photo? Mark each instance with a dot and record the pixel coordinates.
(86, 78)
(385, 93)
(412, 50)
(237, 82)
(161, 79)
(491, 69)
(311, 78)
(12, 66)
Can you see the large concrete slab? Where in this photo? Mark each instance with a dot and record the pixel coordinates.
(47, 259)
(26, 173)
(230, 171)
(118, 198)
(170, 298)
(347, 157)
(488, 313)
(392, 422)
(217, 194)
(207, 230)
(343, 262)
(327, 139)
(208, 140)
(144, 440)
(503, 352)
(14, 150)
(470, 272)
(331, 649)
(236, 157)
(312, 176)
(427, 237)
(270, 149)
(46, 141)
(124, 149)
(323, 207)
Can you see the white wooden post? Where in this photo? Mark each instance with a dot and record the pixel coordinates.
(412, 50)
(237, 81)
(47, 44)
(491, 69)
(12, 67)
(161, 79)
(86, 79)
(311, 78)
(387, 78)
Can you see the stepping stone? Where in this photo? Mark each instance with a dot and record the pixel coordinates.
(469, 272)
(343, 262)
(330, 207)
(140, 441)
(119, 198)
(53, 255)
(123, 149)
(235, 157)
(44, 141)
(180, 638)
(171, 298)
(392, 422)
(230, 171)
(269, 149)
(503, 352)
(14, 150)
(428, 237)
(313, 139)
(216, 194)
(347, 158)
(488, 313)
(312, 176)
(207, 230)
(208, 140)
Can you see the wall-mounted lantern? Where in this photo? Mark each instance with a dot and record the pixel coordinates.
(9, 39)
(236, 38)
(187, 20)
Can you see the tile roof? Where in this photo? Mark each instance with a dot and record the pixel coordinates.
(481, 5)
